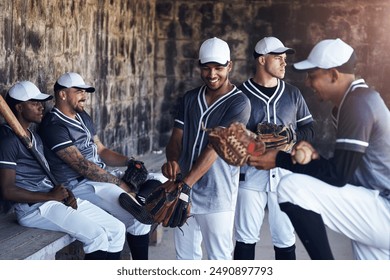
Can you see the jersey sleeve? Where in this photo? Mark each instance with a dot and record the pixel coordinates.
(354, 126)
(178, 113)
(303, 114)
(239, 111)
(57, 137)
(9, 149)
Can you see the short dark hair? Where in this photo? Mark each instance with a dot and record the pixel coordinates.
(58, 87)
(12, 102)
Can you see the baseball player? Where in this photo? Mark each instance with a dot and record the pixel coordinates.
(275, 101)
(350, 192)
(37, 202)
(214, 183)
(78, 158)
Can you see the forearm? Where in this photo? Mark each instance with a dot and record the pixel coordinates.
(201, 166)
(174, 146)
(336, 171)
(86, 168)
(20, 195)
(305, 132)
(172, 152)
(112, 158)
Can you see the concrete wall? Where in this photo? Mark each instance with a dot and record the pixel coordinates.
(142, 54)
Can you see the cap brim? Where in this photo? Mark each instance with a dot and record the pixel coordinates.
(213, 62)
(42, 97)
(283, 50)
(303, 66)
(87, 88)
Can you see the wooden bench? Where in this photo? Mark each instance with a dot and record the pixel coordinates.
(21, 243)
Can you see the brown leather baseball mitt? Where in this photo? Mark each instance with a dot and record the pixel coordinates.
(170, 204)
(235, 144)
(276, 136)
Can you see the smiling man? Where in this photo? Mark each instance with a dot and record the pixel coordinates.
(214, 183)
(79, 159)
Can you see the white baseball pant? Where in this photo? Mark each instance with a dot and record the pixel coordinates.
(105, 195)
(89, 224)
(249, 218)
(216, 232)
(359, 213)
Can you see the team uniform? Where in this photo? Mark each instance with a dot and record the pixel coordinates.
(214, 195)
(58, 131)
(359, 209)
(95, 228)
(284, 105)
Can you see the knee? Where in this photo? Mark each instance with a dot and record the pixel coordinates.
(120, 233)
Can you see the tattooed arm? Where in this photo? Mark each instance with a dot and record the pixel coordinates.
(72, 156)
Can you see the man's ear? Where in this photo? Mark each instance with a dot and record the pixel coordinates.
(261, 59)
(335, 74)
(18, 107)
(230, 66)
(62, 94)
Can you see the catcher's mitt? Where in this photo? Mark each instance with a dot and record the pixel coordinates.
(235, 143)
(170, 204)
(276, 136)
(134, 202)
(135, 174)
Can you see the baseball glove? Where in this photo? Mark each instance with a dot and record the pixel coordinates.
(276, 136)
(135, 174)
(134, 203)
(235, 143)
(170, 204)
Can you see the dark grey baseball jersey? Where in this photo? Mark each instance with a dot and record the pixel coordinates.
(216, 190)
(58, 132)
(363, 125)
(29, 174)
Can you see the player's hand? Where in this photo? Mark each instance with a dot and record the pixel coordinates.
(299, 145)
(170, 169)
(59, 193)
(71, 200)
(125, 187)
(265, 161)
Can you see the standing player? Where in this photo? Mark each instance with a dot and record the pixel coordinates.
(37, 202)
(214, 183)
(79, 159)
(350, 192)
(272, 100)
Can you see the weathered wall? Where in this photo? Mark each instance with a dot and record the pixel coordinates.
(182, 25)
(142, 54)
(109, 42)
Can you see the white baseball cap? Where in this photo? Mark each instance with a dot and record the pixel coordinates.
(214, 50)
(25, 90)
(326, 54)
(271, 45)
(72, 80)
